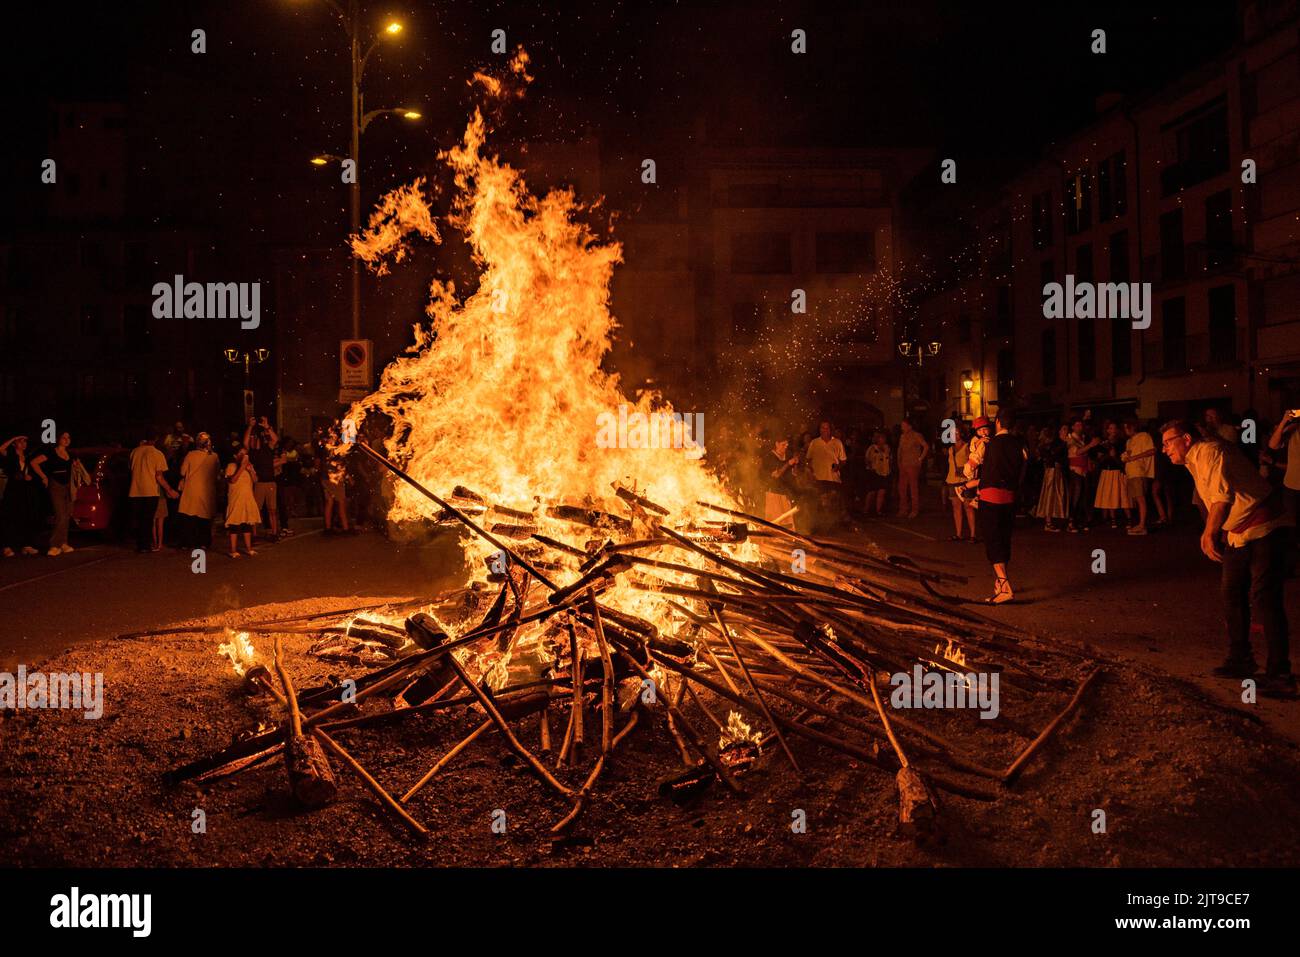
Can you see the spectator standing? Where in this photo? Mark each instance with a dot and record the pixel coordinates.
(1246, 530)
(1078, 445)
(1054, 495)
(912, 452)
(1287, 435)
(198, 503)
(1217, 427)
(1140, 473)
(963, 513)
(261, 441)
(20, 508)
(1112, 485)
(175, 443)
(1000, 476)
(54, 469)
(242, 514)
(825, 459)
(288, 479)
(880, 466)
(333, 472)
(148, 484)
(779, 467)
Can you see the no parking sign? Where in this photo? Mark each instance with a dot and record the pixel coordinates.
(355, 363)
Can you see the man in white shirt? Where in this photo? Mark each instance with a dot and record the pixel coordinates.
(825, 455)
(1243, 507)
(148, 479)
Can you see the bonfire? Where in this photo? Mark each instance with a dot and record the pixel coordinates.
(615, 588)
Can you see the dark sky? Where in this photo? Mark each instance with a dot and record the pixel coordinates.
(982, 78)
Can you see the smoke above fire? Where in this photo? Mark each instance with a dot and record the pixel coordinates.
(503, 391)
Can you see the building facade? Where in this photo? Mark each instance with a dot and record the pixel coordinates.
(1193, 189)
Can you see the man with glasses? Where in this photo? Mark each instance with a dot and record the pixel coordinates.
(1245, 509)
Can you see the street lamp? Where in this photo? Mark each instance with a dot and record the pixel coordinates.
(247, 358)
(349, 13)
(967, 386)
(910, 348)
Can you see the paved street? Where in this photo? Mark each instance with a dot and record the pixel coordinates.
(1157, 602)
(103, 590)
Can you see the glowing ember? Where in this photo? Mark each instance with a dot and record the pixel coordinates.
(737, 732)
(952, 653)
(240, 651)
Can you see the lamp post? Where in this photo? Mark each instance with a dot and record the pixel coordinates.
(349, 13)
(913, 348)
(247, 357)
(967, 387)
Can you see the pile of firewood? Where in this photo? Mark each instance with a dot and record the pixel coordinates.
(789, 648)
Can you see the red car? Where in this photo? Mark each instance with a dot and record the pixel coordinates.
(101, 505)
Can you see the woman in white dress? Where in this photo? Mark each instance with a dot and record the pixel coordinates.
(241, 507)
(198, 493)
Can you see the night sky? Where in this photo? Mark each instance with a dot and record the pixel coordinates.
(226, 135)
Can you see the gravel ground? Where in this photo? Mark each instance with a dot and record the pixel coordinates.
(1182, 781)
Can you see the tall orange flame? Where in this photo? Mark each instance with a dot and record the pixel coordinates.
(503, 393)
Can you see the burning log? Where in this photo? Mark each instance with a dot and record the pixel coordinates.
(758, 696)
(311, 779)
(607, 685)
(592, 518)
(455, 513)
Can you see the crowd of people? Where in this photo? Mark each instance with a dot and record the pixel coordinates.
(180, 484)
(1076, 475)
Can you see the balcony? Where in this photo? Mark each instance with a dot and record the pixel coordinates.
(1181, 355)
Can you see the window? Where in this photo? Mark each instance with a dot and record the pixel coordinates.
(1042, 220)
(766, 252)
(1087, 330)
(1046, 272)
(1078, 203)
(1218, 229)
(1119, 271)
(1200, 150)
(1004, 310)
(1083, 263)
(1173, 333)
(1112, 187)
(846, 252)
(746, 318)
(1121, 348)
(1049, 358)
(963, 327)
(1006, 374)
(1223, 324)
(1172, 261)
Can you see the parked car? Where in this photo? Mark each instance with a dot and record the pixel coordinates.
(102, 505)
